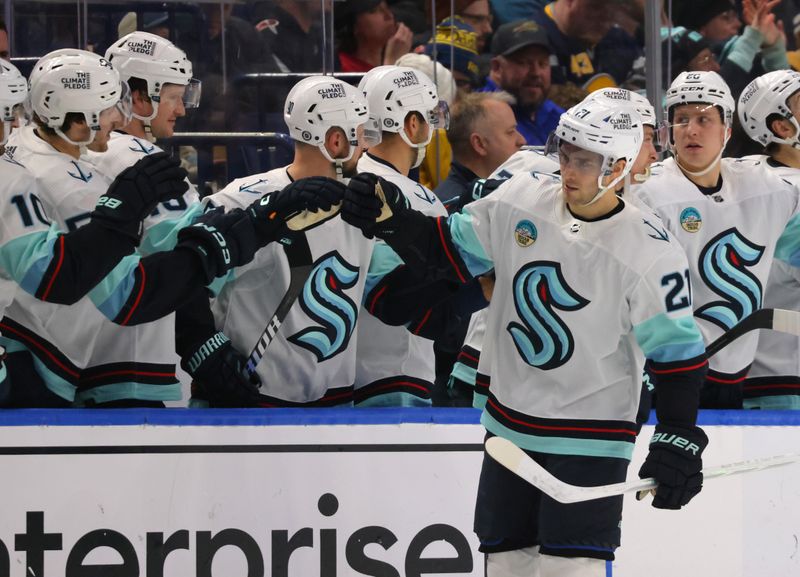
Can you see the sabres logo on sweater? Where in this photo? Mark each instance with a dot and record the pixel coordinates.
(324, 300)
(723, 266)
(542, 339)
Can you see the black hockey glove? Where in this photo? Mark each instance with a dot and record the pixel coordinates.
(675, 462)
(218, 374)
(302, 205)
(374, 205)
(480, 188)
(137, 190)
(222, 240)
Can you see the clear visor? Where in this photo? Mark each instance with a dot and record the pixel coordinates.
(439, 117)
(661, 136)
(571, 157)
(703, 114)
(174, 94)
(367, 135)
(125, 104)
(372, 133)
(16, 114)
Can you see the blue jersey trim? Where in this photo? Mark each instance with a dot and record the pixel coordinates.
(317, 416)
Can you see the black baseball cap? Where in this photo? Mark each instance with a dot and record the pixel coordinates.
(516, 35)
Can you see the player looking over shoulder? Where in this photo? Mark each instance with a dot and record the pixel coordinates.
(709, 205)
(572, 261)
(769, 109)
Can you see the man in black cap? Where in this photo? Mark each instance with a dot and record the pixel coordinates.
(521, 67)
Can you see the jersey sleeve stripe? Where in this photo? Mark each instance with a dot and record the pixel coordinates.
(665, 339)
(143, 277)
(53, 274)
(423, 321)
(448, 251)
(468, 246)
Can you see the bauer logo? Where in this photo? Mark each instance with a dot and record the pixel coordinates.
(407, 79)
(332, 91)
(147, 47)
(525, 233)
(78, 81)
(691, 220)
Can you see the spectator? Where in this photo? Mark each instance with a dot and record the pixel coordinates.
(367, 35)
(456, 48)
(521, 67)
(153, 22)
(586, 44)
(5, 52)
(690, 51)
(716, 20)
(476, 13)
(483, 135)
(292, 30)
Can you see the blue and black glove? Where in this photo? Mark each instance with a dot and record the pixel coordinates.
(675, 461)
(374, 205)
(137, 190)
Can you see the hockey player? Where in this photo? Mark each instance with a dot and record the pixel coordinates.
(39, 258)
(394, 365)
(584, 293)
(769, 109)
(75, 98)
(727, 214)
(464, 372)
(312, 359)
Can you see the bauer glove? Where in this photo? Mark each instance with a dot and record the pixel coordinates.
(675, 462)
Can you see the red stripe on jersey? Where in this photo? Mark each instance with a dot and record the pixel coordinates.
(558, 428)
(762, 387)
(50, 355)
(138, 297)
(423, 321)
(725, 381)
(58, 268)
(374, 300)
(447, 250)
(132, 373)
(681, 369)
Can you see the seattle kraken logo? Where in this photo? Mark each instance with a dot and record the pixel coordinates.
(324, 301)
(84, 176)
(543, 341)
(144, 148)
(723, 266)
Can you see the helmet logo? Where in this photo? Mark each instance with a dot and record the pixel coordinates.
(332, 91)
(748, 94)
(80, 81)
(407, 79)
(620, 121)
(143, 46)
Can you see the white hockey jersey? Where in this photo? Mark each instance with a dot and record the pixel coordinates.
(312, 359)
(63, 339)
(391, 359)
(146, 352)
(729, 237)
(774, 379)
(466, 366)
(575, 305)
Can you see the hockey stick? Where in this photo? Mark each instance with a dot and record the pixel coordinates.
(781, 320)
(300, 266)
(517, 461)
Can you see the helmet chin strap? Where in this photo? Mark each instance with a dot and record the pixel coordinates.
(603, 189)
(82, 144)
(708, 168)
(794, 141)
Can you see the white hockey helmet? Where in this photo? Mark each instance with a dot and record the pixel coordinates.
(157, 61)
(701, 88)
(80, 82)
(13, 92)
(612, 131)
(767, 95)
(622, 97)
(318, 103)
(395, 91)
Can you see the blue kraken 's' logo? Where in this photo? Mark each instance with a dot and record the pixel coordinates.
(723, 266)
(142, 146)
(543, 341)
(324, 301)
